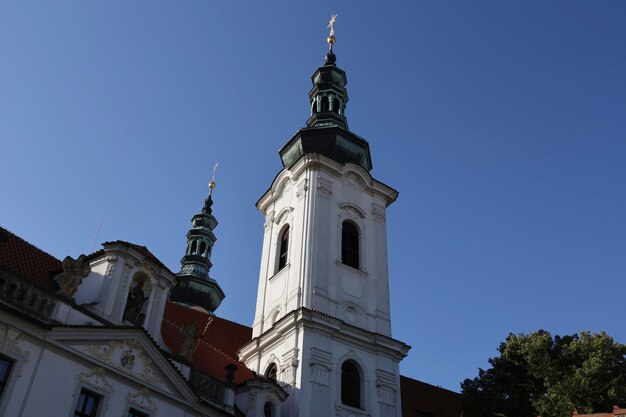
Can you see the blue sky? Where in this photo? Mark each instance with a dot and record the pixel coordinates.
(502, 125)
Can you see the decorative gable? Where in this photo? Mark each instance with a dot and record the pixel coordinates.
(125, 354)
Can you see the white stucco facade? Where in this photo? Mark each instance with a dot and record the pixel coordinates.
(316, 313)
(313, 199)
(121, 366)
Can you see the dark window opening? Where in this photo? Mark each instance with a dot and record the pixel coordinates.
(194, 244)
(336, 106)
(313, 107)
(350, 385)
(87, 405)
(284, 247)
(136, 413)
(202, 248)
(324, 103)
(271, 372)
(268, 410)
(6, 365)
(350, 245)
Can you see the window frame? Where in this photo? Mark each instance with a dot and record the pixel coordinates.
(271, 372)
(7, 384)
(94, 394)
(350, 255)
(282, 260)
(272, 409)
(358, 393)
(139, 412)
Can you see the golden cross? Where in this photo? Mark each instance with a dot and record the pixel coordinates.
(331, 24)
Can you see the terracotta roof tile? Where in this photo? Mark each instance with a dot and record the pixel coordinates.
(617, 411)
(420, 398)
(221, 339)
(28, 261)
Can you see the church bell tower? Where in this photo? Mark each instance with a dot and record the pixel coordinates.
(322, 324)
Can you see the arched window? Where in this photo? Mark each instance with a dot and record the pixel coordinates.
(202, 247)
(350, 244)
(336, 106)
(271, 372)
(268, 410)
(350, 385)
(313, 107)
(194, 245)
(324, 103)
(284, 247)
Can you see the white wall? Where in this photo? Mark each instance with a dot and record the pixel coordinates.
(314, 198)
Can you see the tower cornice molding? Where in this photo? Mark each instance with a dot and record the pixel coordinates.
(313, 161)
(304, 318)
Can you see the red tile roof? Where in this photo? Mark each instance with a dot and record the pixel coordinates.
(218, 346)
(28, 261)
(420, 398)
(616, 412)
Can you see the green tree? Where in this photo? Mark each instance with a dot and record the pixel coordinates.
(541, 375)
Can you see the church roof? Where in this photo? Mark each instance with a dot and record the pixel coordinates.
(219, 341)
(27, 261)
(420, 398)
(616, 412)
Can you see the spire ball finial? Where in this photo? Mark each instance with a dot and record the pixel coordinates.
(212, 183)
(331, 36)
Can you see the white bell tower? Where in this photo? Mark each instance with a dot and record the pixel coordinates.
(322, 322)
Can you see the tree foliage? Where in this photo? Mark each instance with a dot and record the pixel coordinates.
(541, 375)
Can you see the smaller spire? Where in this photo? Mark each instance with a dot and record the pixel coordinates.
(195, 286)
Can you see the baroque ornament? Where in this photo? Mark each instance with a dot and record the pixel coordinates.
(378, 213)
(96, 378)
(128, 356)
(353, 181)
(352, 212)
(282, 216)
(302, 188)
(74, 271)
(142, 399)
(13, 343)
(324, 188)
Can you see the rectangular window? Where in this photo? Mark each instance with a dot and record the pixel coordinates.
(87, 405)
(6, 365)
(135, 413)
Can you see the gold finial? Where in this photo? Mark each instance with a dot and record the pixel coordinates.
(331, 37)
(212, 183)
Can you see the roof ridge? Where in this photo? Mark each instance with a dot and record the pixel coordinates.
(219, 351)
(231, 321)
(140, 248)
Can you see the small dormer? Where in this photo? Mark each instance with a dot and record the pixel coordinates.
(127, 285)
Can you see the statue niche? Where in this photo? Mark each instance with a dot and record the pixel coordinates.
(136, 300)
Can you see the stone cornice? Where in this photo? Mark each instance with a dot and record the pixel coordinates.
(317, 161)
(332, 327)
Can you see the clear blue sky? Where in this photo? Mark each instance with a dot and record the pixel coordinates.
(502, 124)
